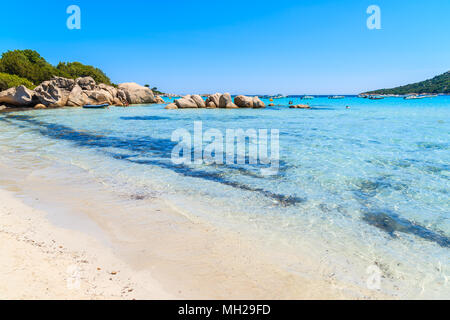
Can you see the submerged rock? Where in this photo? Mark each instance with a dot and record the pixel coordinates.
(171, 106)
(300, 106)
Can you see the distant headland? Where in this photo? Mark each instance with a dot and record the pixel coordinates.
(437, 85)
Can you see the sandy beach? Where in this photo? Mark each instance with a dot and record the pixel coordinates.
(74, 252)
(41, 261)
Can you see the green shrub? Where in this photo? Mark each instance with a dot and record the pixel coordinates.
(9, 80)
(30, 65)
(27, 64)
(76, 69)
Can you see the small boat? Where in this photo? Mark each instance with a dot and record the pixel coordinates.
(376, 97)
(336, 97)
(307, 97)
(419, 97)
(96, 106)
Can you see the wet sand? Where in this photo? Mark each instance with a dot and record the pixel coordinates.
(56, 234)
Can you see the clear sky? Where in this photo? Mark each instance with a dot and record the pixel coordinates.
(245, 46)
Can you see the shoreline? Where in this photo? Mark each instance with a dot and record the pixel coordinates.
(168, 257)
(42, 261)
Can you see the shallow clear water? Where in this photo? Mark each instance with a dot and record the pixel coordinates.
(355, 188)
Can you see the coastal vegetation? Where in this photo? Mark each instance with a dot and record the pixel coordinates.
(31, 66)
(11, 80)
(76, 69)
(438, 84)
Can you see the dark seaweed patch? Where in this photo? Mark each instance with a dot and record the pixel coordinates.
(158, 150)
(390, 222)
(145, 118)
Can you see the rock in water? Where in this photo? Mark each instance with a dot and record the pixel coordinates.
(215, 98)
(243, 101)
(171, 106)
(300, 106)
(159, 100)
(137, 94)
(225, 101)
(185, 103)
(257, 103)
(211, 105)
(40, 106)
(199, 101)
(19, 96)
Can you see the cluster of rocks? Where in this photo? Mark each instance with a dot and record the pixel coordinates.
(216, 100)
(300, 106)
(61, 92)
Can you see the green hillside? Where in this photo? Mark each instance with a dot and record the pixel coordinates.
(439, 84)
(17, 65)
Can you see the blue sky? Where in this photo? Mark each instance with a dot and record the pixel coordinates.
(265, 47)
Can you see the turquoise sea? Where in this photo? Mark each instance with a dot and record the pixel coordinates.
(356, 188)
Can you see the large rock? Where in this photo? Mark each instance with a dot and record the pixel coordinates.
(160, 100)
(76, 97)
(211, 105)
(171, 106)
(18, 96)
(98, 97)
(225, 101)
(122, 96)
(185, 103)
(137, 94)
(55, 92)
(64, 83)
(257, 103)
(214, 98)
(199, 101)
(109, 91)
(243, 101)
(86, 83)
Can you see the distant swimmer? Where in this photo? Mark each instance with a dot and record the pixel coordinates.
(347, 107)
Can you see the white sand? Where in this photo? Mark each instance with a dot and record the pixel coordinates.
(41, 261)
(147, 249)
